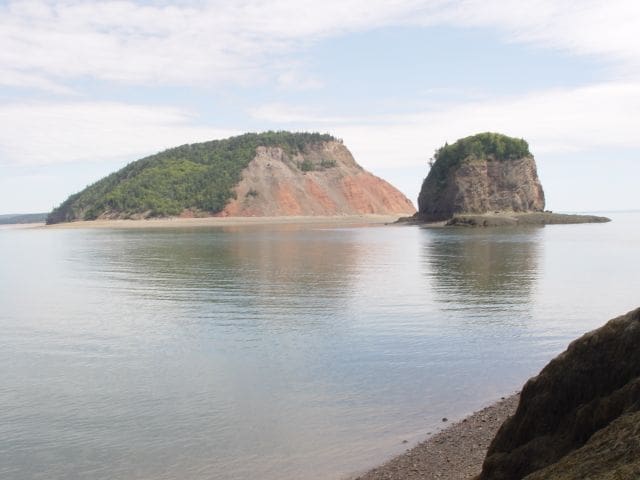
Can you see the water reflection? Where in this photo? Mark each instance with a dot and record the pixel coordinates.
(243, 276)
(495, 270)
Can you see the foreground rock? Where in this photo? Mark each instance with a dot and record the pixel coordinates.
(455, 453)
(488, 172)
(580, 417)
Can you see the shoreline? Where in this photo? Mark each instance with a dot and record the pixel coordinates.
(178, 222)
(497, 219)
(454, 453)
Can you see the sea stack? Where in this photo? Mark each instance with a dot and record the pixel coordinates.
(251, 175)
(488, 172)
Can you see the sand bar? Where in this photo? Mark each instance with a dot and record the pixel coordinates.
(177, 222)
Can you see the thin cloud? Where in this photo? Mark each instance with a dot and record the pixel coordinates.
(48, 133)
(22, 80)
(585, 27)
(295, 80)
(290, 114)
(216, 42)
(197, 44)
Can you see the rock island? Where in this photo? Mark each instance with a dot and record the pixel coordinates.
(272, 174)
(488, 179)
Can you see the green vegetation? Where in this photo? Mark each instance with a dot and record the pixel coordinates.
(306, 165)
(199, 177)
(483, 145)
(327, 163)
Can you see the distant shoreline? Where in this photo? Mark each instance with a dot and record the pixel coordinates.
(455, 453)
(177, 222)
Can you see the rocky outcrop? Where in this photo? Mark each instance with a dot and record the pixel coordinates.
(323, 180)
(580, 417)
(485, 173)
(505, 219)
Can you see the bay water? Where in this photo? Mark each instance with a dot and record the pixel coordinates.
(280, 351)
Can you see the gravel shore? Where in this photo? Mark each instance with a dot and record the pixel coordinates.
(455, 453)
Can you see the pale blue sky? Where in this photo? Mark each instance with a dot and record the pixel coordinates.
(86, 87)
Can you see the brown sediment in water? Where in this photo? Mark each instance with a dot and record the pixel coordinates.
(455, 453)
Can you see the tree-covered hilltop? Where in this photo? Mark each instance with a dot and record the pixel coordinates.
(483, 145)
(488, 144)
(198, 177)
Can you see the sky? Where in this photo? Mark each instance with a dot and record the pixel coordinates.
(87, 87)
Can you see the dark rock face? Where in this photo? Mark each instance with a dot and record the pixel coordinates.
(481, 185)
(580, 417)
(613, 453)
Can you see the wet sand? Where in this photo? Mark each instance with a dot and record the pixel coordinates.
(455, 453)
(177, 222)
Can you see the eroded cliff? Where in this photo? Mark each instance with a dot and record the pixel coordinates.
(323, 180)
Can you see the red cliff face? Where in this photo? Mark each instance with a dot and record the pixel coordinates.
(324, 180)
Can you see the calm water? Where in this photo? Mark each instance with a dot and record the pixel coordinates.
(280, 352)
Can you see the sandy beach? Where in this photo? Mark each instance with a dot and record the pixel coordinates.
(455, 453)
(177, 222)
